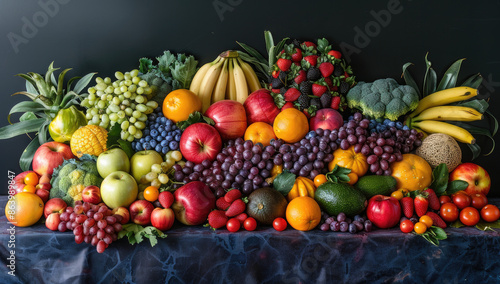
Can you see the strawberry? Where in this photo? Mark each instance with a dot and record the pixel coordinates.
(318, 89)
(421, 204)
(287, 105)
(166, 199)
(275, 74)
(329, 83)
(407, 206)
(326, 69)
(312, 59)
(232, 195)
(335, 102)
(309, 43)
(301, 77)
(297, 63)
(436, 220)
(433, 199)
(297, 56)
(217, 219)
(222, 204)
(284, 64)
(335, 54)
(241, 217)
(291, 95)
(306, 113)
(276, 91)
(237, 207)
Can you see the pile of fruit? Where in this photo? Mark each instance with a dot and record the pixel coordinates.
(307, 146)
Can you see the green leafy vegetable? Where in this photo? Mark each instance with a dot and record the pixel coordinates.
(338, 174)
(284, 182)
(136, 234)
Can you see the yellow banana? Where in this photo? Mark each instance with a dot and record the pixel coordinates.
(231, 85)
(200, 74)
(457, 113)
(433, 126)
(250, 76)
(220, 87)
(208, 84)
(241, 84)
(444, 97)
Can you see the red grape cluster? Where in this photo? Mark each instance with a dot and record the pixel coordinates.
(381, 149)
(90, 223)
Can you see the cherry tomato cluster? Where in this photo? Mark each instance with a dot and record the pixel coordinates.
(469, 209)
(419, 227)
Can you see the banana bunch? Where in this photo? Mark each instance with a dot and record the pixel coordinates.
(433, 110)
(227, 77)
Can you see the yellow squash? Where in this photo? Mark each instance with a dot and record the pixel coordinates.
(302, 187)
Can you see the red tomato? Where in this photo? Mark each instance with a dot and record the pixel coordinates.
(449, 212)
(461, 200)
(406, 226)
(233, 225)
(279, 224)
(444, 199)
(469, 216)
(479, 200)
(250, 224)
(490, 213)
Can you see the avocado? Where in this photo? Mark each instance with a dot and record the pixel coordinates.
(266, 204)
(373, 185)
(334, 198)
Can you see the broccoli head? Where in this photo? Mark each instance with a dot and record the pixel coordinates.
(383, 98)
(70, 178)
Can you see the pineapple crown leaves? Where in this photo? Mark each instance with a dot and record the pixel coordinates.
(338, 174)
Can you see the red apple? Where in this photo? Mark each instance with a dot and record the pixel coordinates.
(54, 205)
(193, 203)
(43, 193)
(477, 177)
(199, 142)
(230, 118)
(18, 183)
(122, 211)
(260, 106)
(383, 211)
(162, 219)
(53, 221)
(326, 118)
(140, 212)
(91, 194)
(50, 155)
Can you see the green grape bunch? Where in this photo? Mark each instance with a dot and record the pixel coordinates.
(125, 101)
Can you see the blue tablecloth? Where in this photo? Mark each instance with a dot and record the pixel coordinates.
(199, 255)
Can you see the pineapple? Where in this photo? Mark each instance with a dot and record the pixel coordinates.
(48, 96)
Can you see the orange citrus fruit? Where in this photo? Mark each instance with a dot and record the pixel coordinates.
(179, 104)
(291, 125)
(353, 178)
(260, 132)
(151, 193)
(303, 213)
(31, 179)
(29, 188)
(319, 180)
(24, 209)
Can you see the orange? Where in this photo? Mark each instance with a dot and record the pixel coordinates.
(151, 193)
(24, 209)
(29, 188)
(319, 180)
(353, 178)
(412, 173)
(31, 179)
(303, 213)
(260, 132)
(291, 125)
(179, 104)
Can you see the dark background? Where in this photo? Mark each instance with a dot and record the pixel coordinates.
(106, 36)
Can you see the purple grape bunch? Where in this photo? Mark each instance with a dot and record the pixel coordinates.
(342, 223)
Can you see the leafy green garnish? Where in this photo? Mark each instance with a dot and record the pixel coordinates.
(481, 225)
(114, 141)
(284, 182)
(338, 174)
(434, 234)
(136, 234)
(193, 118)
(440, 183)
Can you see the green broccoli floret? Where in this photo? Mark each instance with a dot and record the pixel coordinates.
(383, 98)
(70, 178)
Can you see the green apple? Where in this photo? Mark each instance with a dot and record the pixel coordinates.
(111, 161)
(141, 162)
(118, 189)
